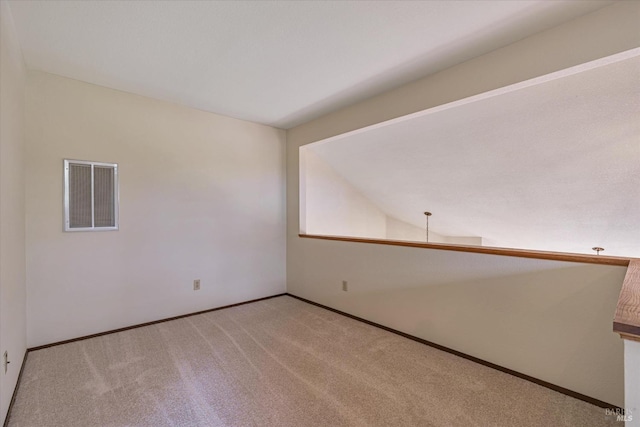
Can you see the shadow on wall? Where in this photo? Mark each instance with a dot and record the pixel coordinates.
(331, 205)
(549, 320)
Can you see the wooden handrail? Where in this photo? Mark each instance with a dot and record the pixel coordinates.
(522, 253)
(627, 319)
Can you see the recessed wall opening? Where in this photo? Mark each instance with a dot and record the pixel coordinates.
(549, 164)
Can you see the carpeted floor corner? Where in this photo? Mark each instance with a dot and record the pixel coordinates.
(276, 362)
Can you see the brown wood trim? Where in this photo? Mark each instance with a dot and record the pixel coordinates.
(526, 377)
(113, 331)
(627, 319)
(629, 337)
(15, 390)
(542, 383)
(626, 330)
(521, 253)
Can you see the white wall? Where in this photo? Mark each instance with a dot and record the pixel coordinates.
(400, 230)
(201, 197)
(550, 320)
(12, 238)
(333, 206)
(632, 381)
(462, 240)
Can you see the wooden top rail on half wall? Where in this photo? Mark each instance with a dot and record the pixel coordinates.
(627, 317)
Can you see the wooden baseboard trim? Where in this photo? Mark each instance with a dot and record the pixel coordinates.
(542, 383)
(15, 390)
(113, 331)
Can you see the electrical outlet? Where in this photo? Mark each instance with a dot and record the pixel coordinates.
(345, 286)
(196, 285)
(5, 361)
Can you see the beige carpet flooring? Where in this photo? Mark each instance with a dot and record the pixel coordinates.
(277, 362)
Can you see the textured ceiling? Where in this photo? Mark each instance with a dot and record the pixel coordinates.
(552, 166)
(273, 62)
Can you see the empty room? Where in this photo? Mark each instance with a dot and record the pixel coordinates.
(319, 213)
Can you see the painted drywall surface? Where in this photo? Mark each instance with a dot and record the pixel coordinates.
(632, 381)
(201, 197)
(398, 283)
(463, 240)
(550, 320)
(334, 207)
(12, 224)
(610, 30)
(400, 230)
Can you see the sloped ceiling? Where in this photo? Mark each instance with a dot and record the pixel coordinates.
(553, 166)
(275, 62)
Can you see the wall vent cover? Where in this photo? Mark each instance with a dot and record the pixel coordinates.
(90, 196)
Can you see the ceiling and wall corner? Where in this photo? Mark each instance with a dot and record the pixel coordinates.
(201, 197)
(607, 31)
(277, 63)
(331, 205)
(105, 45)
(552, 164)
(396, 286)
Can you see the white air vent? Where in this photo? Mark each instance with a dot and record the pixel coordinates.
(90, 196)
